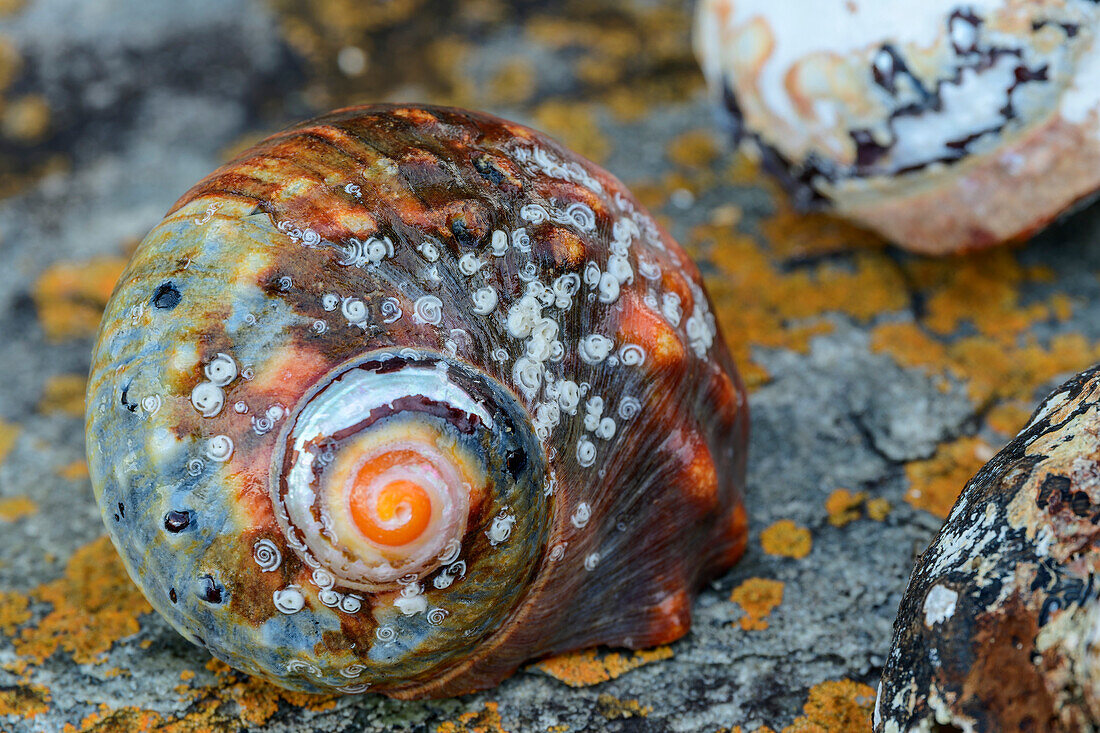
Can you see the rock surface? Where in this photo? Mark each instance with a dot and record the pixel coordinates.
(880, 381)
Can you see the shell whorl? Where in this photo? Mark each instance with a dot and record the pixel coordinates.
(434, 396)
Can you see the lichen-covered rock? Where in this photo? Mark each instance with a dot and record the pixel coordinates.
(999, 626)
(943, 125)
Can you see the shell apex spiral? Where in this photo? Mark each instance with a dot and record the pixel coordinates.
(405, 396)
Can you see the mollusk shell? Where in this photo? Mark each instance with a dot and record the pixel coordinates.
(998, 626)
(405, 396)
(943, 125)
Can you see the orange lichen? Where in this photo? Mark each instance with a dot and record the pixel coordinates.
(487, 720)
(994, 370)
(25, 119)
(759, 304)
(71, 296)
(693, 149)
(513, 83)
(613, 708)
(93, 605)
(231, 702)
(786, 539)
(11, 63)
(130, 719)
(16, 507)
(63, 393)
(844, 506)
(589, 667)
(575, 125)
(26, 701)
(878, 509)
(1008, 418)
(14, 611)
(791, 233)
(8, 434)
(936, 482)
(10, 7)
(835, 706)
(758, 597)
(909, 345)
(625, 105)
(74, 471)
(982, 289)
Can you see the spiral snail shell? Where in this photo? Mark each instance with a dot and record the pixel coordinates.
(943, 125)
(405, 396)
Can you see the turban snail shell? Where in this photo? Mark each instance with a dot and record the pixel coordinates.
(943, 125)
(999, 628)
(405, 396)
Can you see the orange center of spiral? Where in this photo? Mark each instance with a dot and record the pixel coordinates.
(394, 515)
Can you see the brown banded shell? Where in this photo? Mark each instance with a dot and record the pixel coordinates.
(405, 396)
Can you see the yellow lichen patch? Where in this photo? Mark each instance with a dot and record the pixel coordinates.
(844, 506)
(758, 597)
(613, 708)
(588, 667)
(693, 149)
(26, 119)
(243, 700)
(786, 539)
(26, 701)
(10, 7)
(982, 289)
(835, 706)
(909, 345)
(130, 719)
(575, 125)
(794, 234)
(258, 701)
(1008, 418)
(16, 507)
(63, 393)
(8, 433)
(993, 370)
(70, 296)
(878, 509)
(487, 720)
(936, 482)
(93, 605)
(625, 105)
(513, 83)
(759, 304)
(74, 471)
(449, 59)
(14, 611)
(11, 63)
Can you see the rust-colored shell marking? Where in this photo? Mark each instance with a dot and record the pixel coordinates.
(998, 629)
(405, 396)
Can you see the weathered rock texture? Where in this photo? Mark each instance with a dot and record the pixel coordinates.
(879, 382)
